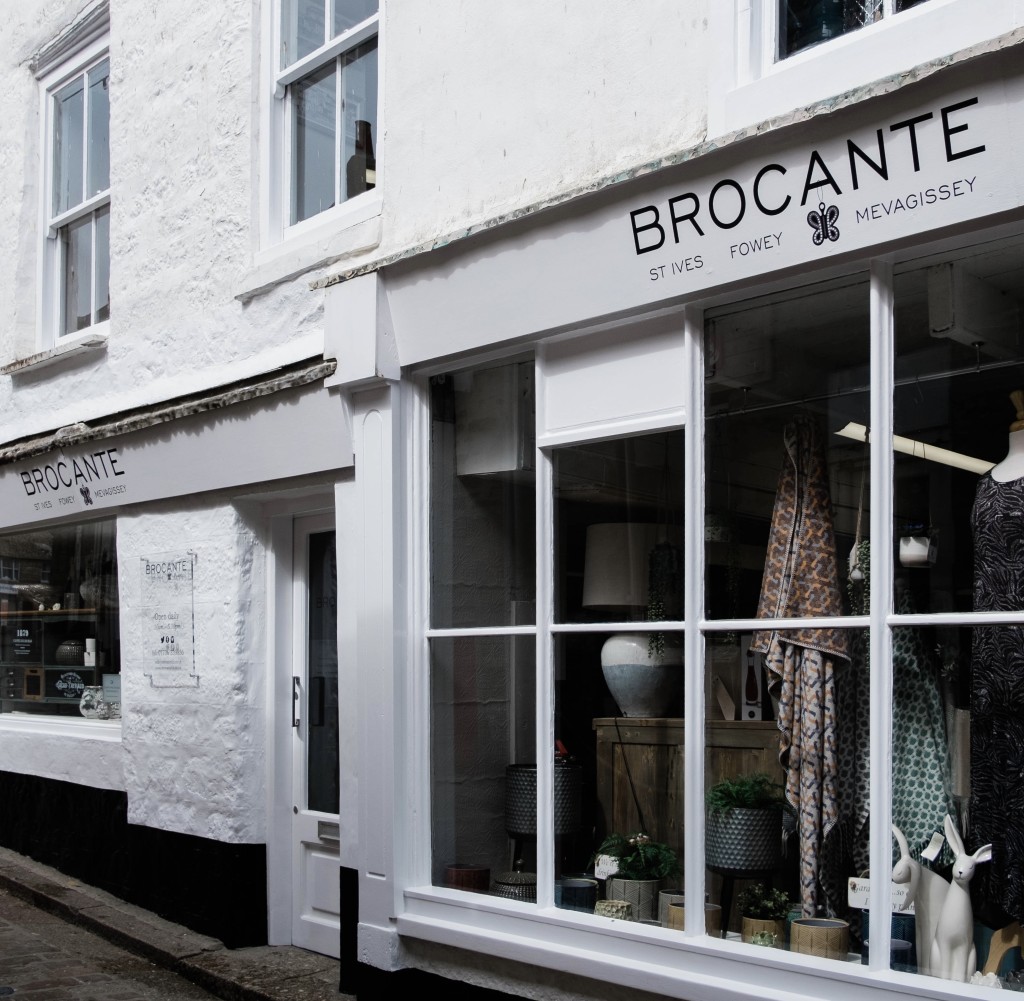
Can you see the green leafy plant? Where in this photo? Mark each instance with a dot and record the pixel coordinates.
(763, 903)
(639, 857)
(757, 791)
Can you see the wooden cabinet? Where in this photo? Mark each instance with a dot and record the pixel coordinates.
(641, 769)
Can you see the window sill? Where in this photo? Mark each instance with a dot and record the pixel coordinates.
(62, 726)
(89, 342)
(871, 60)
(343, 232)
(659, 960)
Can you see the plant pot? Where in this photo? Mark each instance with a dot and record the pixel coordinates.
(748, 840)
(712, 917)
(642, 894)
(757, 930)
(825, 937)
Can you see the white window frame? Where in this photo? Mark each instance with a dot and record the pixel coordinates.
(51, 225)
(276, 225)
(688, 965)
(754, 87)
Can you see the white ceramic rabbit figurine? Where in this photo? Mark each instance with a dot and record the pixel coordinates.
(927, 893)
(953, 955)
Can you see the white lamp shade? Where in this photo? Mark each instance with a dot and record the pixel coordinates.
(617, 562)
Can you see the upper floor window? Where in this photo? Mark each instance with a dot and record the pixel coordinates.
(327, 78)
(76, 287)
(803, 23)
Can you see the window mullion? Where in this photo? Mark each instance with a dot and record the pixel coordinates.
(694, 748)
(339, 120)
(545, 700)
(881, 574)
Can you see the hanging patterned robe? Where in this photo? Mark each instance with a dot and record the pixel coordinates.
(801, 579)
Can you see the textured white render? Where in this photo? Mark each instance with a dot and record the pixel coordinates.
(471, 133)
(183, 177)
(195, 754)
(491, 107)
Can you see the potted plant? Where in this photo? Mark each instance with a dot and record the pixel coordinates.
(743, 823)
(641, 865)
(764, 911)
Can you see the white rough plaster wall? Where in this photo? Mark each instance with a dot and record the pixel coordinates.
(195, 756)
(182, 124)
(490, 107)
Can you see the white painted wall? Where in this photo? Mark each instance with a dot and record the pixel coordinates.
(195, 753)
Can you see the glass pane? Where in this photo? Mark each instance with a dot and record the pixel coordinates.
(68, 131)
(359, 78)
(76, 244)
(907, 4)
(990, 773)
(59, 631)
(958, 366)
(303, 29)
(808, 22)
(348, 13)
(786, 381)
(102, 292)
(786, 509)
(99, 129)
(482, 505)
(483, 765)
(619, 697)
(314, 103)
(322, 772)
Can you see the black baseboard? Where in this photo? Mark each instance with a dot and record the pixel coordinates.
(213, 888)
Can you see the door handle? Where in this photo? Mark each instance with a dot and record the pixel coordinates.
(296, 691)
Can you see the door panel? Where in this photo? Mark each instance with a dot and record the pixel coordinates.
(315, 738)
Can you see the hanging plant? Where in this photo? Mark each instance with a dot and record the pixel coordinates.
(664, 579)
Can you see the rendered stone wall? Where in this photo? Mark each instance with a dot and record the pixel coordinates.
(194, 747)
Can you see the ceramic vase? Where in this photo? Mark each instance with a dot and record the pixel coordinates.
(643, 685)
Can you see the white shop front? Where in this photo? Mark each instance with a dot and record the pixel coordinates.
(176, 567)
(778, 373)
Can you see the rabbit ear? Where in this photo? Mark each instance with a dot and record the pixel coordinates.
(952, 835)
(901, 840)
(983, 854)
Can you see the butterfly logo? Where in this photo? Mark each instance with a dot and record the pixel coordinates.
(86, 494)
(823, 222)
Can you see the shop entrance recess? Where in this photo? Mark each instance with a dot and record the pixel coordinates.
(315, 737)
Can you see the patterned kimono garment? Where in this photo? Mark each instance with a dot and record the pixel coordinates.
(997, 698)
(801, 579)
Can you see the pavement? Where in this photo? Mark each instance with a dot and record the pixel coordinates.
(261, 973)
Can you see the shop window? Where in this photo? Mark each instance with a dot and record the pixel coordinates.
(859, 616)
(326, 94)
(59, 623)
(76, 293)
(803, 23)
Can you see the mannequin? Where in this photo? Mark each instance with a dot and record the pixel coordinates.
(1012, 467)
(997, 682)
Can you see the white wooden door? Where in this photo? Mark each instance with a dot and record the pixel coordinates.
(315, 738)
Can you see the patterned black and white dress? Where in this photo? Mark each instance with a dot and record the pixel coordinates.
(997, 696)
